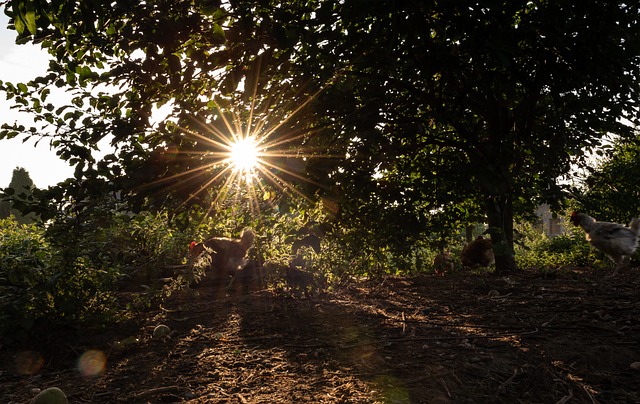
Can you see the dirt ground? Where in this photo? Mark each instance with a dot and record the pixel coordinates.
(570, 336)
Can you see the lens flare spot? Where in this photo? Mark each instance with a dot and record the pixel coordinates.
(392, 389)
(244, 154)
(92, 363)
(28, 362)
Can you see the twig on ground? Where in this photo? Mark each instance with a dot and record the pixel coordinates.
(444, 386)
(566, 398)
(157, 390)
(545, 324)
(593, 400)
(241, 398)
(503, 387)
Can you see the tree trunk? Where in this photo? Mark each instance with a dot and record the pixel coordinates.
(469, 233)
(500, 217)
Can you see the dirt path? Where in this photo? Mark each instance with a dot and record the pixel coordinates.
(566, 337)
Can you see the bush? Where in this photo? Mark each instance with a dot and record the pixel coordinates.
(24, 258)
(537, 250)
(39, 285)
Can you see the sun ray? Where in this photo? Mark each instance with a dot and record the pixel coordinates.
(292, 114)
(200, 169)
(205, 186)
(224, 142)
(284, 185)
(253, 99)
(242, 146)
(282, 141)
(291, 173)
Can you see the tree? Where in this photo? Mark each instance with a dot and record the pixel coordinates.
(121, 61)
(610, 191)
(425, 113)
(5, 209)
(511, 92)
(19, 191)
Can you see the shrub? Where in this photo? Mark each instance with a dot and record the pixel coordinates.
(24, 258)
(41, 285)
(537, 250)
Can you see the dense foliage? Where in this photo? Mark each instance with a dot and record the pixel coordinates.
(536, 250)
(406, 119)
(39, 287)
(17, 196)
(610, 190)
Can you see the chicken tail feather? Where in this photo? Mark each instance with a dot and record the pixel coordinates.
(635, 225)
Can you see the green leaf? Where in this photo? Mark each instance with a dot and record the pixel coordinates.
(44, 93)
(19, 25)
(30, 19)
(218, 32)
(85, 73)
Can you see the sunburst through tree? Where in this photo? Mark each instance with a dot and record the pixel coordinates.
(244, 151)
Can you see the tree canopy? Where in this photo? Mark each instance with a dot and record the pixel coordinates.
(609, 191)
(19, 192)
(409, 117)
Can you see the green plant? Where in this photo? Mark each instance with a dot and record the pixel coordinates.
(40, 285)
(23, 266)
(536, 250)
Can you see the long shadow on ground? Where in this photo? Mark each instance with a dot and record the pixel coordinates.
(566, 336)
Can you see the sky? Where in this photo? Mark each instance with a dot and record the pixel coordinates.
(21, 63)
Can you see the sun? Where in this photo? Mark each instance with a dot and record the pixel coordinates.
(243, 154)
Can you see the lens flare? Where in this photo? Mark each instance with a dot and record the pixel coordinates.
(244, 154)
(29, 362)
(92, 363)
(244, 150)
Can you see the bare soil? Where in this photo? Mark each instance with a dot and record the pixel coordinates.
(569, 336)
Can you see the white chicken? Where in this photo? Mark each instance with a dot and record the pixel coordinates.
(617, 241)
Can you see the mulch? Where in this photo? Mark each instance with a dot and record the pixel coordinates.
(562, 336)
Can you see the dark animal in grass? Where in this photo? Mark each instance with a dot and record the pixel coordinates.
(478, 253)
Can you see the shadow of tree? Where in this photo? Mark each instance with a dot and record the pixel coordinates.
(455, 339)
